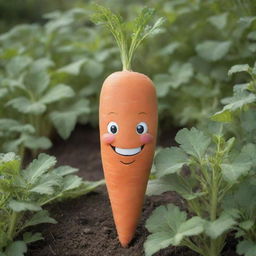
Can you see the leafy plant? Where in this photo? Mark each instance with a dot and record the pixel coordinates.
(202, 170)
(23, 193)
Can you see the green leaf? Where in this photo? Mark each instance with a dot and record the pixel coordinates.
(65, 121)
(246, 225)
(35, 143)
(163, 83)
(84, 188)
(169, 161)
(17, 248)
(28, 237)
(39, 218)
(93, 68)
(193, 142)
(219, 21)
(24, 105)
(234, 170)
(224, 116)
(17, 64)
(36, 80)
(9, 164)
(181, 74)
(46, 184)
(213, 50)
(38, 167)
(64, 170)
(238, 68)
(19, 206)
(73, 68)
(216, 228)
(12, 125)
(170, 226)
(58, 92)
(71, 182)
(246, 248)
(172, 183)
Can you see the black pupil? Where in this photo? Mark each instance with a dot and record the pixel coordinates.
(140, 129)
(113, 129)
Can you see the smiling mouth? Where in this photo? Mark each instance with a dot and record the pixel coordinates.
(127, 151)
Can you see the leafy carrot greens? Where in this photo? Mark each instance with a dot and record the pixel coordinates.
(128, 35)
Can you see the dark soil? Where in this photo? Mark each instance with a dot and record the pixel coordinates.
(85, 225)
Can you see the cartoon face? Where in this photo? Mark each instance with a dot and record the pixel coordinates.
(139, 134)
(128, 120)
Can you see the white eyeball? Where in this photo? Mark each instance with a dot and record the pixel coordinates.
(141, 128)
(112, 128)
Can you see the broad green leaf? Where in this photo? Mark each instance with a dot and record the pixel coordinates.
(36, 80)
(171, 183)
(216, 228)
(42, 64)
(250, 151)
(169, 49)
(213, 50)
(58, 92)
(38, 167)
(71, 182)
(246, 225)
(246, 248)
(39, 218)
(239, 167)
(73, 68)
(166, 218)
(163, 84)
(219, 21)
(181, 74)
(193, 142)
(84, 188)
(35, 143)
(157, 241)
(17, 248)
(17, 65)
(248, 121)
(239, 100)
(169, 226)
(19, 206)
(242, 199)
(169, 161)
(46, 184)
(25, 105)
(93, 68)
(28, 237)
(224, 116)
(65, 121)
(238, 68)
(12, 125)
(64, 170)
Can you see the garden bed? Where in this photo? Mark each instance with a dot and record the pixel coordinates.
(85, 225)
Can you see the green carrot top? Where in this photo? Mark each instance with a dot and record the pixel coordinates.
(128, 35)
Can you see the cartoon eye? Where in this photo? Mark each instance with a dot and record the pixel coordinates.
(141, 128)
(112, 127)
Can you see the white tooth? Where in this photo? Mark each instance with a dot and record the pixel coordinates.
(128, 151)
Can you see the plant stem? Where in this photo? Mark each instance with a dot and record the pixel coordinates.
(12, 226)
(213, 210)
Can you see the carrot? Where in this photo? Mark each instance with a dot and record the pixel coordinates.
(128, 124)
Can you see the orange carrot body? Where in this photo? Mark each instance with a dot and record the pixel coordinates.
(128, 129)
